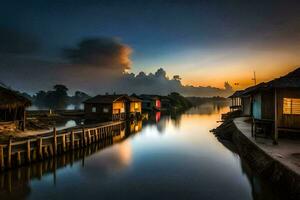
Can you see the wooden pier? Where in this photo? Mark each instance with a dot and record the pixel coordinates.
(20, 151)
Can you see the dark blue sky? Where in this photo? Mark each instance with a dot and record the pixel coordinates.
(196, 39)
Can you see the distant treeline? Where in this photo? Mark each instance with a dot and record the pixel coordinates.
(57, 98)
(178, 101)
(201, 100)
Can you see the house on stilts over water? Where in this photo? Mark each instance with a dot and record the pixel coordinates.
(12, 110)
(274, 107)
(112, 107)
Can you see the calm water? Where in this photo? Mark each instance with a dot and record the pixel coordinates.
(162, 158)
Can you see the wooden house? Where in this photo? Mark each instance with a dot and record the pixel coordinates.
(134, 106)
(236, 101)
(12, 110)
(165, 103)
(275, 105)
(112, 107)
(150, 102)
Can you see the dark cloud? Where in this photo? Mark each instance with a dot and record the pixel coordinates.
(106, 53)
(15, 42)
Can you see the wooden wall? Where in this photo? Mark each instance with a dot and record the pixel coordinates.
(267, 106)
(119, 107)
(257, 108)
(284, 120)
(133, 108)
(99, 114)
(246, 106)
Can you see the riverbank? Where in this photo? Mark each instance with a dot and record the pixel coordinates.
(279, 164)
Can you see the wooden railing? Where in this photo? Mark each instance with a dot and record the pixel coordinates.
(18, 151)
(120, 116)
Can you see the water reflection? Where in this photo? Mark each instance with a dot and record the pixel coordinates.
(174, 157)
(15, 184)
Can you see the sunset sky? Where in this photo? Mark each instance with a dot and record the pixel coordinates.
(205, 42)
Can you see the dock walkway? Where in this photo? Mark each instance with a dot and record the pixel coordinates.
(20, 151)
(286, 152)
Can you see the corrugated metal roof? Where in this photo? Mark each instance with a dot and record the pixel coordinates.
(111, 98)
(104, 98)
(236, 94)
(291, 80)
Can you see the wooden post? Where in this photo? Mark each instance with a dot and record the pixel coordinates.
(40, 148)
(89, 137)
(1, 181)
(1, 158)
(54, 171)
(19, 158)
(275, 140)
(252, 117)
(51, 150)
(28, 174)
(28, 157)
(64, 143)
(9, 180)
(9, 152)
(54, 141)
(72, 139)
(24, 120)
(82, 138)
(46, 154)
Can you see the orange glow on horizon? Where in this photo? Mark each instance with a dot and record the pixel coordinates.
(242, 77)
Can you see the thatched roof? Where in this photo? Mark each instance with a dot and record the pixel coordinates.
(10, 99)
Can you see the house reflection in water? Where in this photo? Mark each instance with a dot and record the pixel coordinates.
(157, 116)
(135, 126)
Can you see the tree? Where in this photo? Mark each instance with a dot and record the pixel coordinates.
(176, 78)
(227, 86)
(61, 89)
(59, 97)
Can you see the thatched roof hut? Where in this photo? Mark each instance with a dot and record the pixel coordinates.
(12, 110)
(10, 99)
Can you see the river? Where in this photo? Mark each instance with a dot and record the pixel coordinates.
(165, 157)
